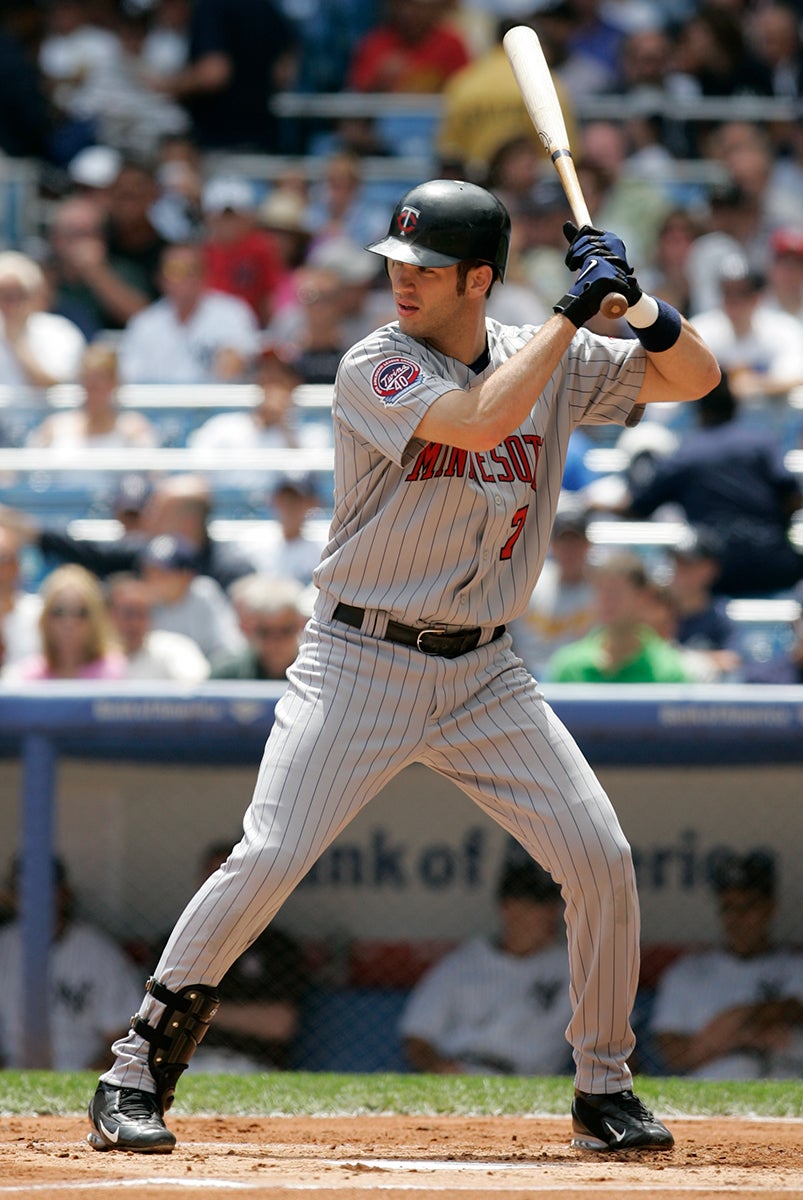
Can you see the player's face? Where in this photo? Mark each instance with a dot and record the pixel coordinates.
(426, 298)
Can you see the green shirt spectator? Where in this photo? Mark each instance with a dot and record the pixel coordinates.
(586, 661)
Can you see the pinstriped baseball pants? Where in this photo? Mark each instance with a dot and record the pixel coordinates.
(358, 710)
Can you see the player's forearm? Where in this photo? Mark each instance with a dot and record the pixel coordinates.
(208, 74)
(487, 413)
(423, 1057)
(272, 1021)
(122, 300)
(686, 371)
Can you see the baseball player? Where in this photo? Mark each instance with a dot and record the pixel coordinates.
(451, 433)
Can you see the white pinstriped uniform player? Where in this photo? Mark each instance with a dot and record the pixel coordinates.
(442, 539)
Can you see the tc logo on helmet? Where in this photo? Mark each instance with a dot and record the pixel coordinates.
(408, 219)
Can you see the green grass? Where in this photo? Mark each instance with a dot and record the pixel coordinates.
(300, 1094)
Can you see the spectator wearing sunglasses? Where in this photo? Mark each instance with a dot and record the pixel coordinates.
(271, 615)
(77, 639)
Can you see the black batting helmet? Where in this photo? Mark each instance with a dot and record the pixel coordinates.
(447, 221)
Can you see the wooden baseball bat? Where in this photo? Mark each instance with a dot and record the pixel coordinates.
(537, 88)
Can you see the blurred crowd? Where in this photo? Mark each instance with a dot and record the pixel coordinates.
(189, 231)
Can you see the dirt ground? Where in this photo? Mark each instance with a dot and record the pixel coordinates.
(400, 1158)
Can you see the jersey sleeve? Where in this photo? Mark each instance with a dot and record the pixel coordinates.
(603, 378)
(383, 390)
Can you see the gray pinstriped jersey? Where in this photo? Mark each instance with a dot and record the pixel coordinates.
(430, 534)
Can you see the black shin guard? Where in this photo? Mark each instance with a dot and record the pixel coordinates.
(178, 1035)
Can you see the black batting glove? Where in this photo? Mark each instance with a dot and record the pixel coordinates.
(595, 281)
(600, 258)
(589, 242)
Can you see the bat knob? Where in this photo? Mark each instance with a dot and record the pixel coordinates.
(613, 306)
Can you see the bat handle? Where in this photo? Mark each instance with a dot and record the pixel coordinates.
(613, 306)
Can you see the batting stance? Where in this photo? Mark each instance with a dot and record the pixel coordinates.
(451, 433)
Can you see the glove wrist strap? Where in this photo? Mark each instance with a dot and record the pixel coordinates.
(662, 331)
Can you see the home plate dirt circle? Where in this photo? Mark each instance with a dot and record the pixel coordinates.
(400, 1158)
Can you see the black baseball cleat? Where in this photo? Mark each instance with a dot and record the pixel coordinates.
(127, 1119)
(616, 1122)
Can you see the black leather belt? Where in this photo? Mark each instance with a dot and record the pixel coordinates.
(428, 641)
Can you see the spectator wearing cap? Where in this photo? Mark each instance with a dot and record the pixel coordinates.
(736, 1011)
(729, 479)
(192, 334)
(499, 1003)
(363, 305)
(784, 666)
(121, 267)
(784, 290)
(290, 548)
(271, 615)
(129, 500)
(561, 607)
(703, 624)
(241, 258)
(187, 602)
(37, 348)
(179, 505)
(761, 352)
(283, 214)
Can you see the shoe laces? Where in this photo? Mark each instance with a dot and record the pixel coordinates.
(634, 1107)
(136, 1104)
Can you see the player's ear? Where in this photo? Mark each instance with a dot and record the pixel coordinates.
(480, 279)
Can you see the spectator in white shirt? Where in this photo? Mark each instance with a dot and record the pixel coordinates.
(20, 610)
(150, 653)
(498, 1005)
(91, 981)
(289, 547)
(192, 334)
(37, 348)
(270, 424)
(761, 351)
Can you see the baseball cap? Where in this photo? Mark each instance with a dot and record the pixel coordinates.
(750, 872)
(303, 483)
(171, 553)
(284, 211)
(527, 881)
(95, 166)
(735, 268)
(787, 241)
(131, 494)
(227, 194)
(571, 517)
(348, 260)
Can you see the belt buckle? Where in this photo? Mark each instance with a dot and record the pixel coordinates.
(422, 633)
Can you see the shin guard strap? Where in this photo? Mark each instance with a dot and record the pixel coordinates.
(179, 1033)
